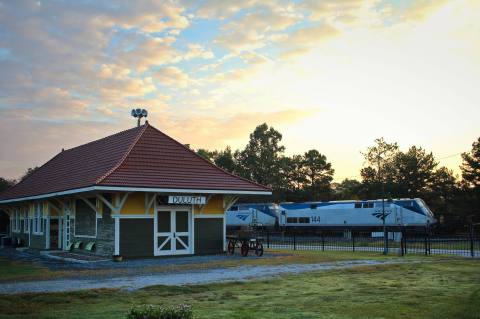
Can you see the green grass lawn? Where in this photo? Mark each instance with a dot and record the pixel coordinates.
(10, 270)
(440, 287)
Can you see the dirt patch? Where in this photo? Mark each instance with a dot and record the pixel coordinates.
(76, 257)
(180, 278)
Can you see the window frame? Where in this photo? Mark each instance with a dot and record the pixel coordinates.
(16, 222)
(38, 218)
(26, 221)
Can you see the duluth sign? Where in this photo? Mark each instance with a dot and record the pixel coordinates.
(187, 200)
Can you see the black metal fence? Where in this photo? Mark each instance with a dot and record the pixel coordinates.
(400, 241)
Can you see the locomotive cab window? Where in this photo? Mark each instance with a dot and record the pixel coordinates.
(234, 208)
(313, 206)
(358, 205)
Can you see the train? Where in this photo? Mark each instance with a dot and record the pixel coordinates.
(403, 212)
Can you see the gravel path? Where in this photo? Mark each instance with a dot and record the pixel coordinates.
(180, 278)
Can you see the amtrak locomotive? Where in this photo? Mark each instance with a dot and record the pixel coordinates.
(369, 213)
(242, 215)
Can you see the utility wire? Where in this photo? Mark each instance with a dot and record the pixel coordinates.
(450, 156)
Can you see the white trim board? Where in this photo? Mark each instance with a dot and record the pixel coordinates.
(137, 189)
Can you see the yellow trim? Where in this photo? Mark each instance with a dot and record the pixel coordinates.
(134, 205)
(214, 206)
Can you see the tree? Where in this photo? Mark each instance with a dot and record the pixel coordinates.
(6, 184)
(293, 181)
(349, 189)
(225, 160)
(260, 161)
(413, 172)
(378, 173)
(29, 172)
(318, 174)
(206, 154)
(443, 197)
(471, 166)
(380, 159)
(471, 182)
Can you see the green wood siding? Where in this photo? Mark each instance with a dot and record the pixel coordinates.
(208, 235)
(136, 237)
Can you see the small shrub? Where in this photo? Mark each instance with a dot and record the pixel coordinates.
(161, 312)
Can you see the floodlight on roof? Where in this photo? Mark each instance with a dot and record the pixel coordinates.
(139, 113)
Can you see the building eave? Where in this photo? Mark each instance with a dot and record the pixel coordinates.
(136, 189)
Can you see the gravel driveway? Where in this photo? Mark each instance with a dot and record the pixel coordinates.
(180, 278)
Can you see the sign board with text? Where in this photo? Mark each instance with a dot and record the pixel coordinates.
(187, 200)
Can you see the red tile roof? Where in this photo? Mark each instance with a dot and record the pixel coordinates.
(142, 157)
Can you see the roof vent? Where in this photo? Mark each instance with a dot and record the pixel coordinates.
(139, 113)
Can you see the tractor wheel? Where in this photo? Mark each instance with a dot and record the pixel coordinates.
(231, 247)
(259, 250)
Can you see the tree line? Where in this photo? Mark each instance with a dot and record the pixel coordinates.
(388, 172)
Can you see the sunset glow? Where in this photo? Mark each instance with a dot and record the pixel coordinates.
(330, 75)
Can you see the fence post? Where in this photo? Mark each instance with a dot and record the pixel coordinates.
(472, 251)
(323, 241)
(353, 241)
(425, 240)
(401, 243)
(268, 239)
(386, 239)
(294, 241)
(429, 241)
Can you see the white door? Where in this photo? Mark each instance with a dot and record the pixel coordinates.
(172, 231)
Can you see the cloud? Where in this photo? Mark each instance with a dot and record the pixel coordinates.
(335, 10)
(254, 30)
(219, 9)
(197, 51)
(414, 11)
(172, 76)
(300, 41)
(152, 51)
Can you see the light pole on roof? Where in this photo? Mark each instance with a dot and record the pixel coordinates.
(139, 113)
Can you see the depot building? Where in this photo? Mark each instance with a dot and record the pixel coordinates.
(137, 193)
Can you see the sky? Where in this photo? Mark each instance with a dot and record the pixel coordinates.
(330, 75)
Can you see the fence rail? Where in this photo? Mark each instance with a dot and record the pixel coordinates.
(402, 241)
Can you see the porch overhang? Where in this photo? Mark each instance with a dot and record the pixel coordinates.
(135, 189)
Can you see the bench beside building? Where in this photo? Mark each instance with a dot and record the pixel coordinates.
(137, 193)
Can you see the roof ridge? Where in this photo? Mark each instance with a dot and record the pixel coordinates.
(124, 157)
(210, 163)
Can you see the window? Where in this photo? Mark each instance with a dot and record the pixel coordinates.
(368, 205)
(304, 220)
(313, 206)
(16, 221)
(26, 221)
(234, 208)
(292, 220)
(38, 219)
(358, 205)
